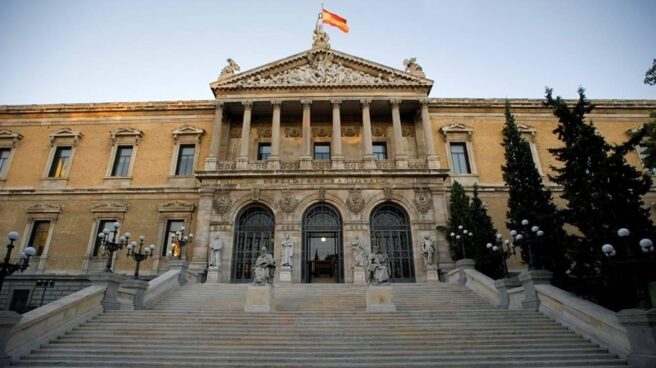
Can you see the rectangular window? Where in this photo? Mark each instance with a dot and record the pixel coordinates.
(122, 161)
(263, 151)
(171, 227)
(185, 164)
(4, 160)
(61, 162)
(103, 224)
(380, 150)
(322, 151)
(459, 158)
(39, 236)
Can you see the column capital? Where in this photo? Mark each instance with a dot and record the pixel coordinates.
(306, 103)
(276, 103)
(423, 101)
(218, 104)
(336, 101)
(248, 104)
(395, 102)
(365, 102)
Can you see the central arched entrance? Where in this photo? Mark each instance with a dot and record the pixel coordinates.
(323, 256)
(254, 228)
(390, 230)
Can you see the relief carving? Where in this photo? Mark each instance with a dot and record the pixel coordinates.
(288, 202)
(350, 131)
(109, 207)
(408, 132)
(263, 132)
(423, 200)
(387, 192)
(235, 132)
(177, 206)
(255, 194)
(222, 201)
(44, 207)
(378, 131)
(322, 132)
(293, 132)
(322, 194)
(413, 68)
(355, 201)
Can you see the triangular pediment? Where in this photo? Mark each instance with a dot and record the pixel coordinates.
(321, 68)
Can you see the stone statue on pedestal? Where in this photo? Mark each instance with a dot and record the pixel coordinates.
(265, 267)
(427, 249)
(287, 251)
(230, 69)
(216, 246)
(320, 39)
(378, 267)
(359, 253)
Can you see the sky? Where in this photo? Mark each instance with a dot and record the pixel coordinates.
(72, 51)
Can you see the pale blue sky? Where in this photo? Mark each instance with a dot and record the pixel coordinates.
(151, 50)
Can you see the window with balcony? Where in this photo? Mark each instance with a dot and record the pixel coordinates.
(322, 151)
(185, 163)
(380, 150)
(263, 151)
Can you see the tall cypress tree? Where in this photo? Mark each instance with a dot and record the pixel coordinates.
(481, 225)
(529, 199)
(458, 216)
(604, 193)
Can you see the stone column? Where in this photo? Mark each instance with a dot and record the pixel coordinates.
(306, 156)
(336, 144)
(431, 157)
(242, 159)
(274, 159)
(202, 233)
(211, 160)
(366, 133)
(399, 147)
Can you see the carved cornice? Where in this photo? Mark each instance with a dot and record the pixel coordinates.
(187, 130)
(247, 104)
(456, 128)
(395, 102)
(45, 207)
(306, 103)
(365, 102)
(133, 133)
(9, 136)
(109, 207)
(65, 134)
(177, 206)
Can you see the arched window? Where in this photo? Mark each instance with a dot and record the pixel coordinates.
(323, 255)
(255, 227)
(390, 230)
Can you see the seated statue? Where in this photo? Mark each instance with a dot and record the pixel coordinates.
(378, 267)
(265, 266)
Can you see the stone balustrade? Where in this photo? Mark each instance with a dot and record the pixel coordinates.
(414, 164)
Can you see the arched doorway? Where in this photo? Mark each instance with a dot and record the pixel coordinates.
(323, 255)
(254, 228)
(390, 230)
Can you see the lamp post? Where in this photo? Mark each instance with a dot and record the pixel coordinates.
(139, 256)
(460, 237)
(7, 268)
(181, 239)
(526, 235)
(505, 248)
(111, 241)
(633, 263)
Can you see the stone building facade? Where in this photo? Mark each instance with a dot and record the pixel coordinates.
(326, 148)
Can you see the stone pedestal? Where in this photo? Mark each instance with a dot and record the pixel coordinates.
(431, 274)
(369, 163)
(285, 275)
(462, 265)
(305, 163)
(8, 319)
(112, 282)
(182, 265)
(130, 294)
(213, 275)
(401, 162)
(241, 163)
(529, 279)
(380, 299)
(641, 330)
(433, 162)
(502, 286)
(210, 163)
(359, 275)
(259, 299)
(273, 163)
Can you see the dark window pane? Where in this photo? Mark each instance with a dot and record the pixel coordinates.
(264, 151)
(322, 151)
(19, 300)
(459, 158)
(185, 164)
(103, 224)
(39, 236)
(380, 151)
(60, 163)
(171, 227)
(122, 161)
(4, 159)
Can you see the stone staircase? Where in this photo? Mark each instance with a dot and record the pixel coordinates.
(321, 325)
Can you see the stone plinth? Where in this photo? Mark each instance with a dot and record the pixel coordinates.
(503, 285)
(131, 294)
(431, 274)
(8, 319)
(213, 275)
(641, 331)
(285, 275)
(462, 265)
(380, 299)
(112, 281)
(259, 299)
(359, 275)
(529, 279)
(182, 265)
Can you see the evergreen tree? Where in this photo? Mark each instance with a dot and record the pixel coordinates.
(529, 199)
(484, 232)
(650, 75)
(458, 216)
(604, 193)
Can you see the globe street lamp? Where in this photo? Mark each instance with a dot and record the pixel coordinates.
(111, 241)
(7, 268)
(138, 255)
(460, 237)
(181, 240)
(533, 232)
(634, 263)
(505, 248)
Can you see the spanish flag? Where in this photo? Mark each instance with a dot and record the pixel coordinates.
(334, 20)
